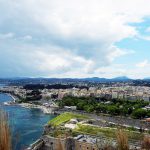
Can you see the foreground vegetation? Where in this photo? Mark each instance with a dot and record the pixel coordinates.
(110, 106)
(87, 129)
(5, 138)
(121, 136)
(108, 132)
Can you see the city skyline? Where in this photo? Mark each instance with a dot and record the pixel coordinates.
(77, 39)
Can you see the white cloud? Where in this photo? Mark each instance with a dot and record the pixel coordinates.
(66, 37)
(90, 20)
(139, 72)
(112, 71)
(27, 37)
(6, 36)
(148, 29)
(143, 63)
(116, 52)
(48, 60)
(144, 37)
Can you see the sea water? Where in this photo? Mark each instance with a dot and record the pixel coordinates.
(26, 124)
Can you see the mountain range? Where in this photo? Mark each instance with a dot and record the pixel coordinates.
(91, 79)
(53, 80)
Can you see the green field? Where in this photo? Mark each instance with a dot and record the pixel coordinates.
(89, 129)
(108, 132)
(65, 117)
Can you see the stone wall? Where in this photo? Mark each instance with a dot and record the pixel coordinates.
(51, 143)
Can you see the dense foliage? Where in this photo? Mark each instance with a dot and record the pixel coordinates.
(51, 86)
(33, 95)
(113, 107)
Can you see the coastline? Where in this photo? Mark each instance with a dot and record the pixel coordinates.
(12, 96)
(11, 102)
(127, 122)
(44, 109)
(26, 126)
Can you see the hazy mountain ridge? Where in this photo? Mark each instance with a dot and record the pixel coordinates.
(90, 79)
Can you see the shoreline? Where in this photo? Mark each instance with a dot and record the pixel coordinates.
(27, 133)
(44, 109)
(12, 96)
(53, 110)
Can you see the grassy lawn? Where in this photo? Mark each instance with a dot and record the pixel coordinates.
(65, 117)
(88, 129)
(108, 132)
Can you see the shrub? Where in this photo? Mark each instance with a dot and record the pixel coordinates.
(139, 113)
(5, 140)
(122, 140)
(146, 143)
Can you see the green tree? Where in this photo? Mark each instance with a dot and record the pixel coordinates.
(114, 110)
(139, 113)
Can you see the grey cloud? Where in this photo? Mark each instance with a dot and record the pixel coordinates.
(57, 37)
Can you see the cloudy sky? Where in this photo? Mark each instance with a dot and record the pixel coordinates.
(75, 38)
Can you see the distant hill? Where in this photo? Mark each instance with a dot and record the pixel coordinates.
(147, 78)
(97, 79)
(40, 80)
(122, 78)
